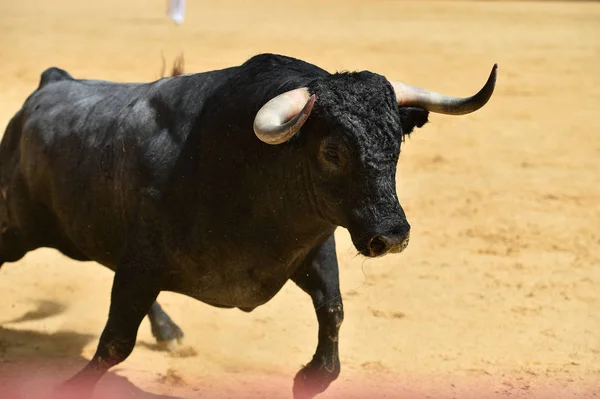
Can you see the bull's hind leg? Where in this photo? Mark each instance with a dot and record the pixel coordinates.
(164, 330)
(136, 285)
(320, 279)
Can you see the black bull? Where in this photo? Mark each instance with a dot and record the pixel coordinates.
(168, 184)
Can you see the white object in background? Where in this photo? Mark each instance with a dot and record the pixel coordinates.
(176, 10)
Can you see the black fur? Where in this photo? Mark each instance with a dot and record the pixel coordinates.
(411, 117)
(53, 74)
(167, 184)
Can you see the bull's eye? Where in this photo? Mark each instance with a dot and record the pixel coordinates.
(332, 156)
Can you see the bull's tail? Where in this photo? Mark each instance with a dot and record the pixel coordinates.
(177, 66)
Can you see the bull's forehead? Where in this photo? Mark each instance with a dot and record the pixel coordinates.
(362, 107)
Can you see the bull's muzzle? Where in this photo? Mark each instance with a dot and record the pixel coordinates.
(381, 245)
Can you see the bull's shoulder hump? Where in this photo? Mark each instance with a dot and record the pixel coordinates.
(53, 74)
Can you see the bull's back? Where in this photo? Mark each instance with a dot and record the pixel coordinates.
(84, 156)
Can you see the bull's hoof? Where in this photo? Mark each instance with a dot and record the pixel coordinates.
(314, 379)
(168, 335)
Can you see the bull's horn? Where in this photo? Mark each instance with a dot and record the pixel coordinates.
(408, 95)
(281, 118)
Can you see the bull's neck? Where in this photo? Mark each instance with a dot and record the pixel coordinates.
(228, 183)
(287, 196)
(247, 189)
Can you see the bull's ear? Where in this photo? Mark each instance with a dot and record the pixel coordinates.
(411, 117)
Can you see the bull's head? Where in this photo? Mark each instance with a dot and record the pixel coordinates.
(357, 123)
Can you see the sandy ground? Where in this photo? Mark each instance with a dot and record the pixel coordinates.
(497, 294)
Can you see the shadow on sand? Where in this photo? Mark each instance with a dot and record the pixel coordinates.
(33, 363)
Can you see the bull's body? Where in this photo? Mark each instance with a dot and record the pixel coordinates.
(167, 184)
(105, 155)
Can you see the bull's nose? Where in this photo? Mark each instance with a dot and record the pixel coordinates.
(402, 245)
(381, 244)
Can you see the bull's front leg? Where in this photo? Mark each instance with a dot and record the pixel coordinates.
(136, 284)
(319, 277)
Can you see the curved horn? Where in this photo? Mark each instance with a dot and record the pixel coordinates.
(408, 95)
(281, 118)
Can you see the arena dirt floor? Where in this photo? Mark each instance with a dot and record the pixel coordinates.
(497, 296)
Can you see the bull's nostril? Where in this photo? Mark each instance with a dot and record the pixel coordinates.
(378, 246)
